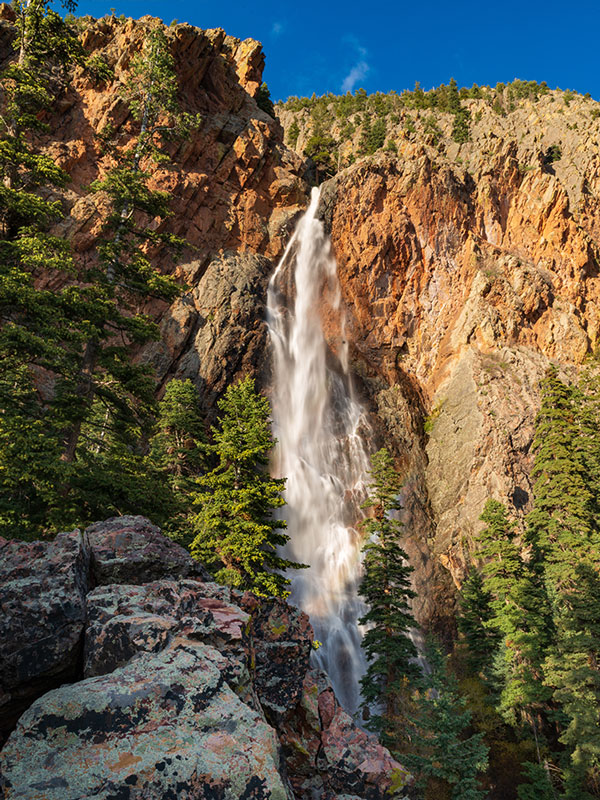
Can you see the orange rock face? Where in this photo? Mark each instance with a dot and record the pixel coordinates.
(460, 288)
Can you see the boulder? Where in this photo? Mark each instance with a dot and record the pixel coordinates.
(328, 755)
(42, 601)
(123, 621)
(282, 639)
(165, 727)
(131, 550)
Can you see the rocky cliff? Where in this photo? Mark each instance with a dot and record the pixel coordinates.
(465, 268)
(138, 678)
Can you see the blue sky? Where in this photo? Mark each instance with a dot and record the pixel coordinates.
(334, 46)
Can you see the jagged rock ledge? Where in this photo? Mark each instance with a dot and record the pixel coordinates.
(127, 673)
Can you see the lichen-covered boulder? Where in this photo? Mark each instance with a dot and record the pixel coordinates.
(133, 550)
(328, 755)
(42, 614)
(282, 637)
(125, 620)
(165, 727)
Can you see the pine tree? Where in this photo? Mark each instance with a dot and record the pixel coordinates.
(393, 659)
(475, 615)
(572, 670)
(587, 402)
(562, 520)
(237, 534)
(502, 560)
(538, 786)
(564, 526)
(178, 450)
(443, 751)
(519, 615)
(123, 279)
(37, 335)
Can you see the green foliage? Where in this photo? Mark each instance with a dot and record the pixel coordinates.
(572, 671)
(236, 532)
(443, 751)
(553, 153)
(178, 450)
(293, 134)
(519, 614)
(538, 786)
(68, 380)
(99, 69)
(321, 149)
(263, 100)
(562, 520)
(372, 136)
(38, 337)
(474, 620)
(385, 587)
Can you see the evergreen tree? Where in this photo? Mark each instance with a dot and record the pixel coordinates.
(502, 560)
(519, 614)
(481, 638)
(37, 336)
(123, 279)
(561, 523)
(178, 451)
(538, 786)
(587, 402)
(443, 751)
(572, 669)
(392, 657)
(237, 535)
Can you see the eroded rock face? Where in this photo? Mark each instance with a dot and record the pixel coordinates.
(131, 550)
(42, 601)
(461, 285)
(167, 725)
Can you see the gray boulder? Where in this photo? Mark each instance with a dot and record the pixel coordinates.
(133, 550)
(125, 620)
(42, 601)
(165, 727)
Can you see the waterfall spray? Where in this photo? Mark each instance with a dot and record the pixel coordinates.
(320, 427)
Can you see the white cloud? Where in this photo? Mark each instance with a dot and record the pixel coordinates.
(359, 71)
(277, 29)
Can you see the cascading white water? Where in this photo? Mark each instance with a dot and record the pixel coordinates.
(318, 424)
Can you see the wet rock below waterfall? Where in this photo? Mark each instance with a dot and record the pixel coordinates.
(328, 755)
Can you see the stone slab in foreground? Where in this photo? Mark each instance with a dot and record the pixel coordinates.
(165, 727)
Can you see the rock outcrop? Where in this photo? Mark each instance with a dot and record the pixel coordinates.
(132, 550)
(42, 602)
(173, 686)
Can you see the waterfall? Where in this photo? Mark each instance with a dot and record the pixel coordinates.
(320, 428)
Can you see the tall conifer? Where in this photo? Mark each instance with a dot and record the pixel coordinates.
(392, 656)
(237, 535)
